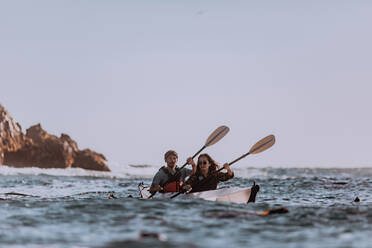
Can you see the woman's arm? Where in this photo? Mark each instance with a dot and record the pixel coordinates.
(222, 177)
(229, 171)
(189, 183)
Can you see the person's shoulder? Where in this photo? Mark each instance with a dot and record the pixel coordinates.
(160, 171)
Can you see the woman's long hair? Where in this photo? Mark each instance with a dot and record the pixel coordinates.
(213, 164)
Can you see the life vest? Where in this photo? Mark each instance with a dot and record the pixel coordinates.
(173, 184)
(172, 187)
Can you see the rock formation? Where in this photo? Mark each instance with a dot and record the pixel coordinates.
(11, 136)
(39, 149)
(88, 159)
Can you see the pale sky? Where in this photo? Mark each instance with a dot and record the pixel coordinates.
(132, 79)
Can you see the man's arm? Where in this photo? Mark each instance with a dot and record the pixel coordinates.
(155, 188)
(155, 185)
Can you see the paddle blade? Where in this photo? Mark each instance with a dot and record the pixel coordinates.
(218, 134)
(263, 144)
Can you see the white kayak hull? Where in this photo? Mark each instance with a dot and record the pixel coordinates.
(233, 194)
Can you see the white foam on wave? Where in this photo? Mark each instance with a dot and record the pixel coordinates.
(117, 171)
(58, 187)
(133, 171)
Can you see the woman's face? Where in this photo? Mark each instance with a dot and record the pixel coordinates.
(203, 164)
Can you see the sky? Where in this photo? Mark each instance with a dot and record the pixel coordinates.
(133, 79)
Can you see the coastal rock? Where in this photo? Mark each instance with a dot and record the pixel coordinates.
(90, 160)
(43, 150)
(11, 136)
(39, 149)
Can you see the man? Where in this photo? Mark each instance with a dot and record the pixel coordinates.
(170, 178)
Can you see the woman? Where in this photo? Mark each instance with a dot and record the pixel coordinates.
(206, 176)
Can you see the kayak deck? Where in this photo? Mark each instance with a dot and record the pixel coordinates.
(232, 194)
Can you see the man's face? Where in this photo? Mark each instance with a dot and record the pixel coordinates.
(171, 161)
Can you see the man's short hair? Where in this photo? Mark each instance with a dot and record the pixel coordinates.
(170, 152)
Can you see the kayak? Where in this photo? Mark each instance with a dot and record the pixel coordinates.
(232, 194)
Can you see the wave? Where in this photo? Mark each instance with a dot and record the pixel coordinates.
(117, 171)
(148, 171)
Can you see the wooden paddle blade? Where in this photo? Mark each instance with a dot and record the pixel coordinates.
(218, 134)
(263, 144)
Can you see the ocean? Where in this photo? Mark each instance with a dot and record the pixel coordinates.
(72, 208)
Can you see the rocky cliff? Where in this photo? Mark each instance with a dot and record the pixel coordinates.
(37, 148)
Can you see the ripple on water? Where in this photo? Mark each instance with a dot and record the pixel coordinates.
(62, 211)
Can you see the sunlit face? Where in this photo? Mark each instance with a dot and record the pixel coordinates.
(171, 161)
(203, 164)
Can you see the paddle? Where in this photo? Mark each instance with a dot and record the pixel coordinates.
(260, 146)
(216, 136)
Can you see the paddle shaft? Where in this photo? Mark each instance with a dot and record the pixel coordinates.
(244, 155)
(215, 137)
(218, 134)
(196, 154)
(236, 160)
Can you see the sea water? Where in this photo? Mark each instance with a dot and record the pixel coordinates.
(71, 208)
